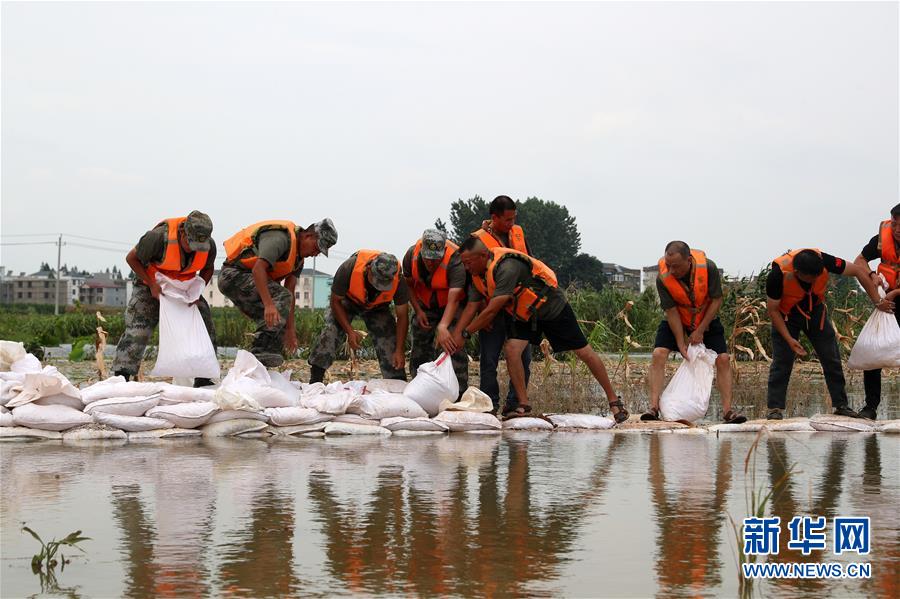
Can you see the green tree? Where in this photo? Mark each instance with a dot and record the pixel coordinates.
(466, 216)
(584, 271)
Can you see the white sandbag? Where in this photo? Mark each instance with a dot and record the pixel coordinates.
(49, 418)
(435, 382)
(25, 364)
(330, 403)
(841, 424)
(253, 392)
(342, 428)
(46, 383)
(185, 415)
(94, 432)
(310, 389)
(586, 421)
(878, 344)
(299, 429)
(167, 433)
(248, 385)
(355, 419)
(224, 415)
(230, 428)
(385, 385)
(687, 395)
(123, 406)
(472, 400)
(180, 394)
(118, 387)
(407, 433)
(420, 424)
(60, 400)
(357, 387)
(378, 406)
(282, 382)
(10, 351)
(526, 423)
(10, 388)
(23, 433)
(891, 426)
(131, 424)
(294, 416)
(185, 349)
(6, 419)
(468, 421)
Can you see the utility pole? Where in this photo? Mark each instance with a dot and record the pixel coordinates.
(58, 274)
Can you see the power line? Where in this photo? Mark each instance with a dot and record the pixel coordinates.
(96, 239)
(93, 247)
(28, 243)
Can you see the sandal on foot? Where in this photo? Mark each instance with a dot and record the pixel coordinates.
(622, 415)
(732, 417)
(518, 412)
(651, 414)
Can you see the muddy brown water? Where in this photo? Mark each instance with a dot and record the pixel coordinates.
(538, 514)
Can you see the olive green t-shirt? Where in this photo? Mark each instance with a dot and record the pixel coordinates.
(512, 273)
(274, 246)
(456, 273)
(340, 284)
(714, 286)
(151, 248)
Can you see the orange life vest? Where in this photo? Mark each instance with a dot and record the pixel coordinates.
(172, 258)
(357, 292)
(526, 300)
(793, 293)
(242, 247)
(516, 239)
(439, 285)
(889, 267)
(691, 303)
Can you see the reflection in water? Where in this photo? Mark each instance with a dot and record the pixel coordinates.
(690, 512)
(485, 541)
(880, 502)
(138, 536)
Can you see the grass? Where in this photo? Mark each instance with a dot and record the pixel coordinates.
(44, 562)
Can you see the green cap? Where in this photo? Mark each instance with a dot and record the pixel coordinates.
(382, 270)
(197, 229)
(326, 234)
(434, 243)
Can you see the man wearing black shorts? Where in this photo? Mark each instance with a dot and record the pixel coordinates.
(506, 279)
(690, 294)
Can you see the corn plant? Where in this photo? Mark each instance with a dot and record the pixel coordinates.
(44, 563)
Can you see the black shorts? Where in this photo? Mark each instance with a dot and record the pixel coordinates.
(563, 332)
(713, 338)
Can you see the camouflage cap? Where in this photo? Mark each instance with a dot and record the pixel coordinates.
(197, 229)
(382, 270)
(434, 243)
(327, 235)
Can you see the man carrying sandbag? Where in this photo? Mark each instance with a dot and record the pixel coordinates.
(365, 285)
(178, 248)
(884, 247)
(505, 279)
(690, 294)
(437, 280)
(500, 231)
(260, 275)
(795, 299)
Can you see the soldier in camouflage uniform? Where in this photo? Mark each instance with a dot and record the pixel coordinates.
(437, 280)
(177, 248)
(260, 276)
(365, 285)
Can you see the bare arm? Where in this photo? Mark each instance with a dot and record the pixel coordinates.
(443, 336)
(489, 313)
(418, 309)
(142, 273)
(261, 280)
(862, 275)
(772, 307)
(467, 316)
(674, 320)
(402, 325)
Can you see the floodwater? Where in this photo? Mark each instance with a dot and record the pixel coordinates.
(541, 514)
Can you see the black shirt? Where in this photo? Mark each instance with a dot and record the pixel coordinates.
(775, 280)
(873, 252)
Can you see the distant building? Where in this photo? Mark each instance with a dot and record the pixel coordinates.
(649, 274)
(622, 277)
(104, 292)
(313, 290)
(98, 289)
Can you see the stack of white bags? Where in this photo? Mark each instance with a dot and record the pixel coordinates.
(249, 401)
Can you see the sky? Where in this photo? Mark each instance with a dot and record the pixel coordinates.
(744, 129)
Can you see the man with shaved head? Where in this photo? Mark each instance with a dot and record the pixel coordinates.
(690, 293)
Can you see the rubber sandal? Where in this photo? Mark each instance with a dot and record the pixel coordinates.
(732, 417)
(651, 414)
(519, 412)
(622, 415)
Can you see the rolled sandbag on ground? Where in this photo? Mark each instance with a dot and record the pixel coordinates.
(343, 428)
(890, 426)
(6, 417)
(526, 423)
(48, 382)
(468, 421)
(300, 429)
(169, 433)
(378, 406)
(224, 415)
(385, 386)
(49, 418)
(841, 424)
(95, 432)
(231, 428)
(420, 424)
(585, 421)
(123, 406)
(179, 394)
(185, 415)
(118, 387)
(296, 416)
(330, 403)
(434, 382)
(356, 419)
(60, 399)
(23, 433)
(131, 424)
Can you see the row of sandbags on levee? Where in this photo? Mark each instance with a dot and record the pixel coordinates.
(40, 402)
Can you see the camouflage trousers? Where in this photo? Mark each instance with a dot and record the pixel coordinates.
(424, 350)
(382, 327)
(141, 318)
(237, 284)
